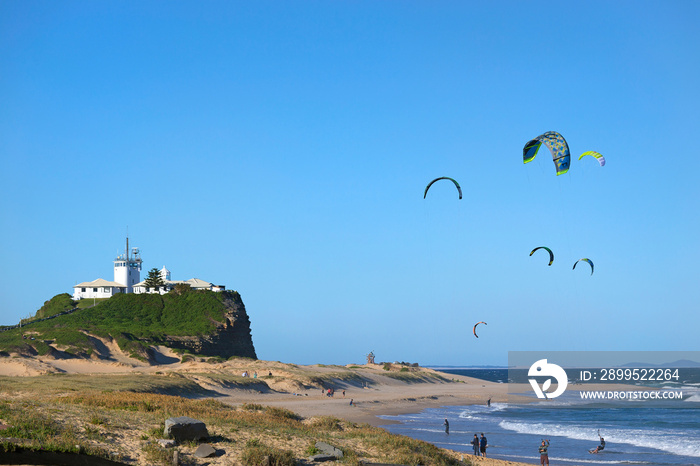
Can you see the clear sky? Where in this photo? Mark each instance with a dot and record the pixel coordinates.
(282, 149)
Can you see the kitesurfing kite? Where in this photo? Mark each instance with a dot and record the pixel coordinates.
(590, 262)
(477, 336)
(557, 146)
(442, 178)
(595, 154)
(551, 254)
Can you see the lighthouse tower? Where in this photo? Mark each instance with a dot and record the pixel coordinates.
(127, 268)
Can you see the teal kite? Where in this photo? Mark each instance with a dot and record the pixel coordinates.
(595, 154)
(590, 262)
(551, 254)
(442, 178)
(557, 146)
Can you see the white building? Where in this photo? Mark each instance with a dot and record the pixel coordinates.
(99, 288)
(127, 279)
(194, 283)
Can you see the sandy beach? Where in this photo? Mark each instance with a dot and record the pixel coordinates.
(375, 390)
(377, 394)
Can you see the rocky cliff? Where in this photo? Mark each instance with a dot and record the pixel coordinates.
(232, 337)
(201, 322)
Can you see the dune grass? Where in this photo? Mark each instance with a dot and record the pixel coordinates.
(169, 383)
(416, 377)
(123, 422)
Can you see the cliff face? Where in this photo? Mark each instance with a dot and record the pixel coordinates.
(231, 338)
(202, 322)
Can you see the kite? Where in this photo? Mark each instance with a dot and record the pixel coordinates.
(595, 154)
(477, 336)
(590, 262)
(551, 254)
(443, 178)
(557, 146)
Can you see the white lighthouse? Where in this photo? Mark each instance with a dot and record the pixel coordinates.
(127, 279)
(127, 268)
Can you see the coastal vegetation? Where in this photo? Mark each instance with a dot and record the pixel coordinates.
(59, 303)
(134, 321)
(154, 279)
(121, 418)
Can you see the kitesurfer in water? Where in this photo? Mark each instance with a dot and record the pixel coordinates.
(600, 447)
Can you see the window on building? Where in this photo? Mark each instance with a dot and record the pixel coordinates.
(94, 290)
(82, 290)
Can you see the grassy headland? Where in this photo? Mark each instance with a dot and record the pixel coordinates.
(135, 321)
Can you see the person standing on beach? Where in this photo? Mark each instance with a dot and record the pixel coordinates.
(488, 402)
(544, 457)
(447, 426)
(475, 444)
(482, 445)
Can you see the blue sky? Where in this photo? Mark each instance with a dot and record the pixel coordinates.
(282, 149)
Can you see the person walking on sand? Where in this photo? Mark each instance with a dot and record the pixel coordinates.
(544, 458)
(482, 445)
(447, 427)
(475, 444)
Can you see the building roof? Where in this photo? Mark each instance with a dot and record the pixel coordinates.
(197, 283)
(165, 282)
(193, 282)
(99, 282)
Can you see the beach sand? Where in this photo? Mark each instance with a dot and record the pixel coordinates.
(375, 391)
(377, 394)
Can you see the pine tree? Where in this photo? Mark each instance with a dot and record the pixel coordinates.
(154, 279)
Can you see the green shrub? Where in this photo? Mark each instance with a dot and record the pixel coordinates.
(252, 407)
(254, 455)
(327, 423)
(312, 450)
(155, 454)
(281, 413)
(59, 303)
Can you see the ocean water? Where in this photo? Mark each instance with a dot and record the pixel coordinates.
(644, 432)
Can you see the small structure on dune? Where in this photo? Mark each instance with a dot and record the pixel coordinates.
(370, 357)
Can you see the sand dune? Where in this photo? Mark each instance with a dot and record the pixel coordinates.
(374, 390)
